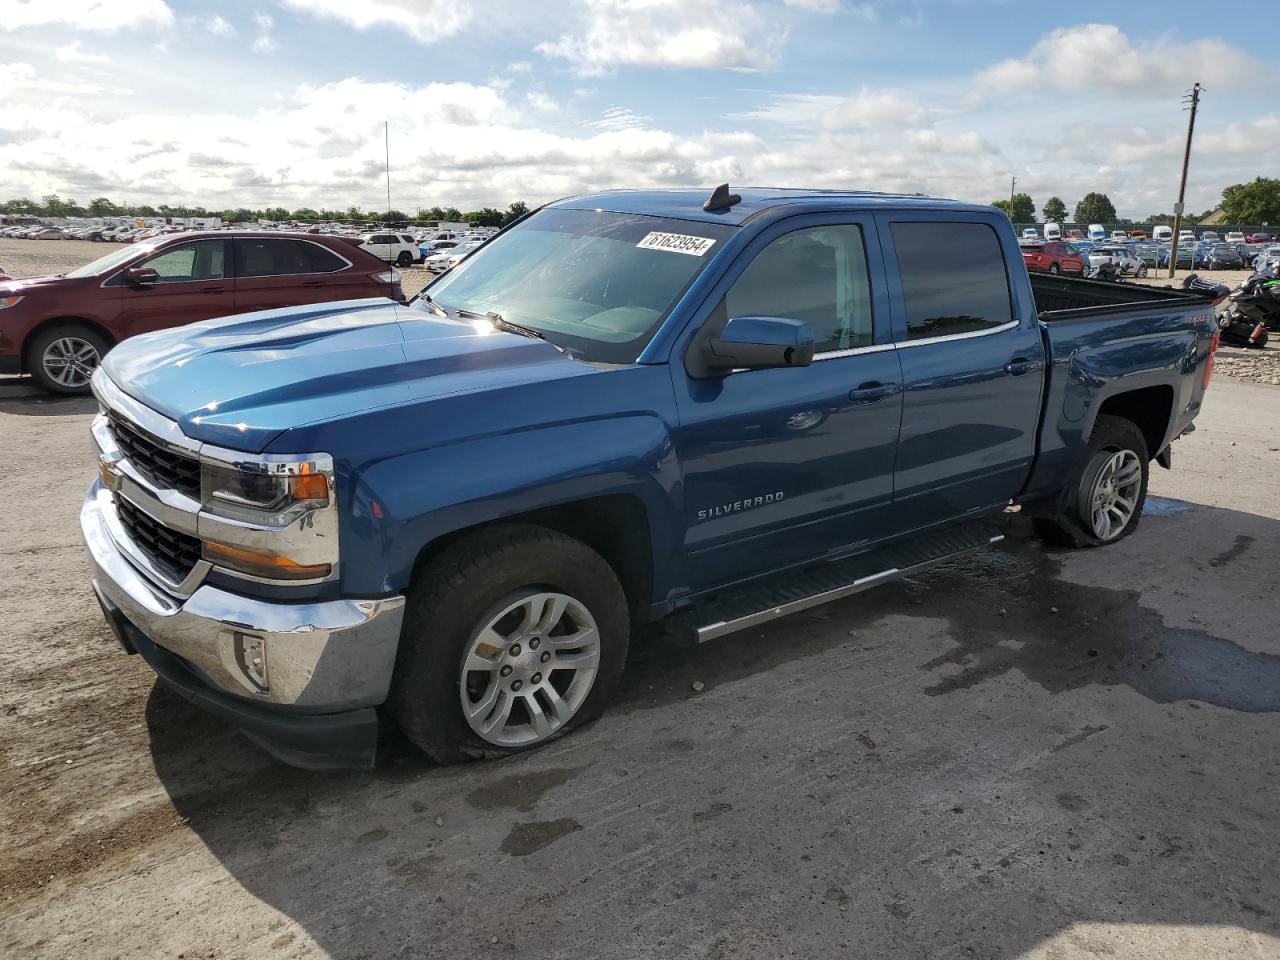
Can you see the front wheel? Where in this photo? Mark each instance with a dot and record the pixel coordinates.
(1142, 271)
(1104, 500)
(513, 636)
(63, 358)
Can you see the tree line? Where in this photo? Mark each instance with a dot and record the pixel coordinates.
(52, 205)
(1256, 202)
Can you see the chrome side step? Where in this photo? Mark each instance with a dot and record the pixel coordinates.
(758, 603)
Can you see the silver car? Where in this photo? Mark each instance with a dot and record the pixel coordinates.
(1122, 258)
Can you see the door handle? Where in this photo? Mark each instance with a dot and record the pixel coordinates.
(213, 289)
(314, 283)
(1019, 365)
(873, 391)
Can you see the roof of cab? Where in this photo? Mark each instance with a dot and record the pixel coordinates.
(686, 204)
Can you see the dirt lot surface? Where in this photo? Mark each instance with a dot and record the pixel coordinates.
(1027, 753)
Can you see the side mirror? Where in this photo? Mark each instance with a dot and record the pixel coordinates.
(755, 343)
(141, 277)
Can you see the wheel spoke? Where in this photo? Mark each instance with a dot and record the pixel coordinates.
(571, 641)
(542, 725)
(580, 660)
(498, 718)
(560, 711)
(482, 707)
(548, 613)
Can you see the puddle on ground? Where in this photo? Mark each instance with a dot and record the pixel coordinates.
(1099, 636)
(527, 838)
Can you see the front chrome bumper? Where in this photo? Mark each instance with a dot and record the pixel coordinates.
(321, 658)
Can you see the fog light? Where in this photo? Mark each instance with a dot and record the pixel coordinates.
(251, 658)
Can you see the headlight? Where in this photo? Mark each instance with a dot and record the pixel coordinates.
(7, 302)
(272, 518)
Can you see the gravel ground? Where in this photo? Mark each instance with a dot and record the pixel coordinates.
(1028, 754)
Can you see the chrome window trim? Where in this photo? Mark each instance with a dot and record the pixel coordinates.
(854, 351)
(168, 283)
(313, 273)
(949, 337)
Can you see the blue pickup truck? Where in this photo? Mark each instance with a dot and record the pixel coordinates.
(453, 515)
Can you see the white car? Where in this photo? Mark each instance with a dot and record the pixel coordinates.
(1209, 236)
(397, 248)
(1122, 258)
(447, 259)
(1235, 236)
(1119, 236)
(1097, 232)
(1030, 233)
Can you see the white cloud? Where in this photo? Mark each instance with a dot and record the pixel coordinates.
(620, 118)
(71, 53)
(818, 6)
(84, 14)
(1070, 59)
(426, 21)
(263, 43)
(666, 33)
(219, 26)
(868, 107)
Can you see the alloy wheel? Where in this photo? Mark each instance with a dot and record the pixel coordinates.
(1114, 496)
(529, 668)
(70, 362)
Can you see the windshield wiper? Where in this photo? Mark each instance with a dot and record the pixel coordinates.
(502, 323)
(438, 310)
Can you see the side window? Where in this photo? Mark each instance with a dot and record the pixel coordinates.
(188, 261)
(953, 278)
(818, 275)
(266, 257)
(406, 239)
(313, 258)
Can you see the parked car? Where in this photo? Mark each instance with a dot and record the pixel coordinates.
(1055, 257)
(397, 248)
(1137, 234)
(443, 260)
(1052, 231)
(1191, 256)
(1097, 232)
(1121, 258)
(429, 247)
(1234, 236)
(1030, 233)
(58, 328)
(1267, 255)
(359, 519)
(1162, 233)
(1259, 238)
(1075, 234)
(1223, 256)
(1209, 236)
(1147, 253)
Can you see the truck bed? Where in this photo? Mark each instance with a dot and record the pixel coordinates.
(1061, 298)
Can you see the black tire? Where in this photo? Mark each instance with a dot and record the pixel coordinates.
(404, 259)
(37, 359)
(1071, 526)
(451, 597)
(1054, 269)
(1142, 271)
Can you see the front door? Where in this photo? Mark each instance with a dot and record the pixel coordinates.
(972, 369)
(782, 466)
(193, 284)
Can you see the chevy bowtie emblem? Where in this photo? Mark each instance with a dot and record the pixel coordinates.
(107, 470)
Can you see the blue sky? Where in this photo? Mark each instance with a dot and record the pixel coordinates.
(281, 102)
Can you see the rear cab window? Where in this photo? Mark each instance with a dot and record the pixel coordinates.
(953, 277)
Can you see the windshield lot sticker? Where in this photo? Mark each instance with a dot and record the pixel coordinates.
(676, 243)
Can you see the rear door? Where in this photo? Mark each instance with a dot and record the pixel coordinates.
(279, 272)
(194, 284)
(972, 367)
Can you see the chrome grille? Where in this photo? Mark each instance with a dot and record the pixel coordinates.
(173, 553)
(163, 467)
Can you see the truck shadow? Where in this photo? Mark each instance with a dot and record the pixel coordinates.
(970, 764)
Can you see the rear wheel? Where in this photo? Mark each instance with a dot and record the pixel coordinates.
(63, 358)
(513, 636)
(404, 259)
(1054, 268)
(1104, 501)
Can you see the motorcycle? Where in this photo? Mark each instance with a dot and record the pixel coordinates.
(1243, 323)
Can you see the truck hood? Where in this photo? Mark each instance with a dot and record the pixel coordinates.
(239, 382)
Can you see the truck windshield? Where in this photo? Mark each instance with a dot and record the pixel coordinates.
(595, 282)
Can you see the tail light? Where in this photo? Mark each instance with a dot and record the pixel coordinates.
(387, 276)
(1258, 333)
(1208, 364)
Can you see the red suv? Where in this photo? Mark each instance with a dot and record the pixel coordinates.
(1054, 256)
(58, 328)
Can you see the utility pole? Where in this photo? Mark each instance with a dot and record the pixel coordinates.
(1013, 185)
(1193, 99)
